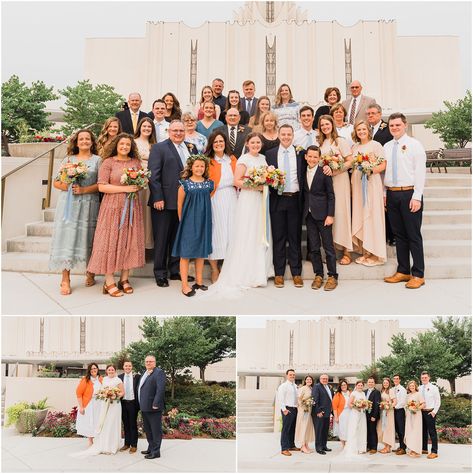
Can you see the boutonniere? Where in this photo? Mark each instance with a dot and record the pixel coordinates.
(241, 129)
(190, 146)
(428, 389)
(383, 125)
(403, 148)
(299, 149)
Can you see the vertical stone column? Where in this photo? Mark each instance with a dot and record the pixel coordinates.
(348, 69)
(271, 69)
(193, 73)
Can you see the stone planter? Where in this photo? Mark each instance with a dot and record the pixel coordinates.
(30, 419)
(30, 150)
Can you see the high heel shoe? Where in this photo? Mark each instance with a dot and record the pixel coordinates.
(89, 279)
(126, 289)
(112, 290)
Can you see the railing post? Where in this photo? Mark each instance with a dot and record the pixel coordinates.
(4, 183)
(47, 200)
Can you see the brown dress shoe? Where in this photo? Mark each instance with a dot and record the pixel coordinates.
(317, 283)
(372, 451)
(400, 452)
(397, 278)
(294, 449)
(432, 456)
(425, 451)
(298, 282)
(415, 282)
(132, 450)
(330, 284)
(286, 453)
(279, 281)
(125, 448)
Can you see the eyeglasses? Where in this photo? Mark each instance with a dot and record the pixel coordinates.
(354, 87)
(177, 131)
(189, 120)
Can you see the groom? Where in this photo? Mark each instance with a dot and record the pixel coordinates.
(151, 399)
(286, 209)
(372, 417)
(321, 411)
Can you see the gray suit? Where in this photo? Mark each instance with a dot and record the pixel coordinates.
(361, 108)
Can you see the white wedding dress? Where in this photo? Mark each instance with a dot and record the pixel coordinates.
(108, 434)
(356, 430)
(249, 262)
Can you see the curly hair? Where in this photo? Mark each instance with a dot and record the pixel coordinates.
(187, 171)
(176, 111)
(72, 147)
(113, 148)
(103, 136)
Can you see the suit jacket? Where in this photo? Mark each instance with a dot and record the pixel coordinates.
(152, 392)
(136, 383)
(253, 105)
(272, 159)
(125, 119)
(322, 402)
(363, 107)
(320, 198)
(242, 132)
(374, 397)
(166, 166)
(383, 135)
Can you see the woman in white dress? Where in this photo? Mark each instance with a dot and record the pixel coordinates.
(224, 198)
(88, 408)
(356, 432)
(341, 411)
(250, 256)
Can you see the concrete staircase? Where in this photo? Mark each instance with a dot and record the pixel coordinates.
(255, 416)
(446, 230)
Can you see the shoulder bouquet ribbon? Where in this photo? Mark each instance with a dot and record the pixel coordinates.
(365, 163)
(71, 173)
(132, 176)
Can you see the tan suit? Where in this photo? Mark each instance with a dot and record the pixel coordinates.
(363, 102)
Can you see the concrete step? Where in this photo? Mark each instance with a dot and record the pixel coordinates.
(447, 191)
(448, 203)
(33, 244)
(255, 419)
(441, 248)
(254, 430)
(444, 231)
(435, 179)
(446, 217)
(48, 215)
(264, 409)
(254, 424)
(40, 229)
(255, 402)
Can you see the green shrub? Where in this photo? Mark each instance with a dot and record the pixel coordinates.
(454, 412)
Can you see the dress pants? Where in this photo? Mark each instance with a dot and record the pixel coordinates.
(429, 429)
(288, 429)
(371, 434)
(286, 228)
(406, 227)
(317, 235)
(165, 224)
(400, 425)
(154, 430)
(321, 425)
(129, 416)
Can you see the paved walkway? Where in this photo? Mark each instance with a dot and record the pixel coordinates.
(23, 453)
(38, 294)
(259, 453)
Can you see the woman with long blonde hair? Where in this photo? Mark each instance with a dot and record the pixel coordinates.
(111, 128)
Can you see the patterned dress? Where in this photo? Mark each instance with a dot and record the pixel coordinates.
(117, 248)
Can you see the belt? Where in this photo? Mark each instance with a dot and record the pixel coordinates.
(401, 188)
(123, 400)
(427, 410)
(290, 194)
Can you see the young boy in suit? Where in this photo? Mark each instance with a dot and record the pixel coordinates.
(319, 209)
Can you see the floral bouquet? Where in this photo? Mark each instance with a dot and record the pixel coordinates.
(386, 405)
(334, 160)
(265, 176)
(363, 404)
(365, 163)
(307, 404)
(137, 177)
(413, 406)
(70, 174)
(109, 394)
(276, 178)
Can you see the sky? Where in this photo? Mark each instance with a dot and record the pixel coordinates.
(45, 40)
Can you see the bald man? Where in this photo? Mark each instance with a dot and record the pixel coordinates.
(131, 117)
(358, 104)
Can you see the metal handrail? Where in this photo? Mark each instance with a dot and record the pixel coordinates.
(47, 199)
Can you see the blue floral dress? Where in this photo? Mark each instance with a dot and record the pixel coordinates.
(194, 235)
(72, 240)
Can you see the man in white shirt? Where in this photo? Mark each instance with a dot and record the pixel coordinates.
(431, 396)
(305, 136)
(130, 407)
(404, 182)
(160, 123)
(286, 399)
(400, 413)
(358, 104)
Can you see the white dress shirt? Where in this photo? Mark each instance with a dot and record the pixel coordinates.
(375, 129)
(142, 381)
(401, 396)
(431, 395)
(161, 130)
(287, 396)
(291, 186)
(301, 137)
(411, 161)
(182, 148)
(128, 384)
(310, 175)
(327, 389)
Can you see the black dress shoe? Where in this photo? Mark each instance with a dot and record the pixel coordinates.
(162, 282)
(189, 293)
(392, 243)
(152, 456)
(327, 449)
(321, 452)
(196, 286)
(145, 452)
(177, 276)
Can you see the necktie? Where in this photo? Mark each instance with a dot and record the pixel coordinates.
(372, 130)
(287, 169)
(309, 140)
(134, 119)
(352, 111)
(128, 387)
(232, 138)
(180, 149)
(394, 158)
(248, 105)
(157, 127)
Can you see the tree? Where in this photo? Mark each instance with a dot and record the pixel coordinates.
(222, 331)
(455, 333)
(86, 104)
(454, 124)
(24, 106)
(370, 371)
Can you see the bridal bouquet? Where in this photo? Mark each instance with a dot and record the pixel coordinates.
(276, 179)
(265, 176)
(109, 394)
(413, 406)
(363, 404)
(307, 404)
(365, 163)
(334, 160)
(72, 173)
(138, 177)
(386, 405)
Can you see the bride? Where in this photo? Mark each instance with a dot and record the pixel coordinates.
(356, 432)
(249, 260)
(108, 435)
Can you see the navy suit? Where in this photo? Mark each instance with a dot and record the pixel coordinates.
(286, 223)
(252, 110)
(125, 119)
(152, 407)
(166, 167)
(322, 404)
(371, 433)
(130, 410)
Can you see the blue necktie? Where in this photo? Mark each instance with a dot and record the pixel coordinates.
(394, 158)
(181, 154)
(287, 168)
(309, 140)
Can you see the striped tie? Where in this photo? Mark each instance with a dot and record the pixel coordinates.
(352, 111)
(232, 139)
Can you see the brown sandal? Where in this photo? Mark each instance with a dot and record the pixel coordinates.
(108, 290)
(65, 288)
(90, 279)
(345, 260)
(128, 289)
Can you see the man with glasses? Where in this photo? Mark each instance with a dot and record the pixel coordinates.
(166, 162)
(357, 106)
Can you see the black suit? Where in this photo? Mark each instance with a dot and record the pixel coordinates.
(130, 410)
(125, 119)
(244, 117)
(383, 135)
(322, 404)
(371, 433)
(241, 132)
(166, 166)
(151, 398)
(319, 202)
(286, 224)
(252, 110)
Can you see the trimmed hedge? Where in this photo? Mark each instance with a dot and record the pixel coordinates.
(454, 412)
